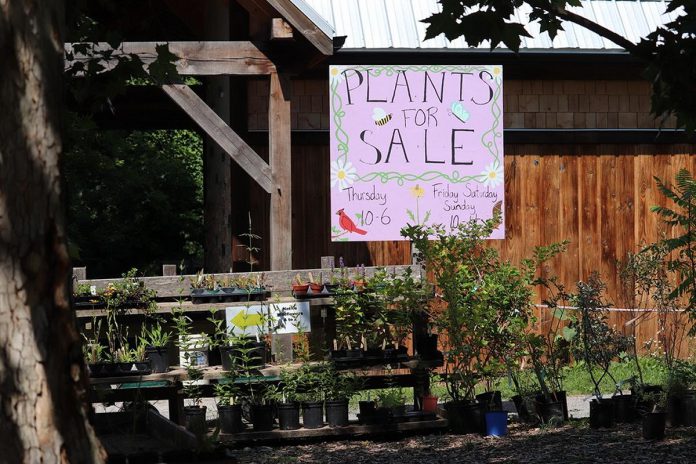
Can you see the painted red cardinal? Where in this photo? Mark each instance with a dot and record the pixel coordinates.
(347, 223)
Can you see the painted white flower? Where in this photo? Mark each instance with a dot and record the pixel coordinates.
(336, 75)
(493, 175)
(342, 174)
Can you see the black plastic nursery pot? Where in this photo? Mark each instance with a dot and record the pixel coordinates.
(673, 411)
(337, 413)
(158, 357)
(258, 353)
(262, 417)
(624, 409)
(367, 407)
(466, 417)
(644, 403)
(547, 405)
(688, 409)
(230, 418)
(289, 416)
(525, 408)
(227, 354)
(313, 415)
(601, 413)
(492, 401)
(654, 425)
(194, 419)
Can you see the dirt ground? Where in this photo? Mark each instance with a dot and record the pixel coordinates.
(569, 444)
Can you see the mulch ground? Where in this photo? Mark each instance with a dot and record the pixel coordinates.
(569, 444)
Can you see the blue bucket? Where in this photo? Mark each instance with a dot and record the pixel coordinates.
(496, 423)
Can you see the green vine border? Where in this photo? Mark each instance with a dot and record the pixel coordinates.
(489, 139)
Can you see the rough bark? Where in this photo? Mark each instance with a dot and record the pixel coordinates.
(43, 417)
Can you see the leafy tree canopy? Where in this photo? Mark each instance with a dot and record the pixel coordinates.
(135, 199)
(669, 52)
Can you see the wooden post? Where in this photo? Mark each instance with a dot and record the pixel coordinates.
(79, 273)
(279, 158)
(281, 200)
(217, 196)
(328, 262)
(169, 270)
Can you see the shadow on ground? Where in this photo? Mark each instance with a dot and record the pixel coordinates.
(570, 444)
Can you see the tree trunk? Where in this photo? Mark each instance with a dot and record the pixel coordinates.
(43, 415)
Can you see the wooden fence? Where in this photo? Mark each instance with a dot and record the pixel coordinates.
(597, 196)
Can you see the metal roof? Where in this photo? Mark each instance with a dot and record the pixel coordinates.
(395, 24)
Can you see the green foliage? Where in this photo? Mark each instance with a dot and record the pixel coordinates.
(192, 389)
(493, 20)
(669, 52)
(595, 343)
(140, 193)
(390, 398)
(487, 302)
(156, 336)
(679, 253)
(128, 292)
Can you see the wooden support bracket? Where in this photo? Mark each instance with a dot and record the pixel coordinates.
(211, 58)
(280, 29)
(222, 134)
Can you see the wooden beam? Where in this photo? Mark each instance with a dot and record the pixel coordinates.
(304, 25)
(280, 29)
(222, 134)
(279, 149)
(277, 281)
(211, 58)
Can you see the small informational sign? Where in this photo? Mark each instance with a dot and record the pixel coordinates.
(290, 318)
(275, 318)
(417, 144)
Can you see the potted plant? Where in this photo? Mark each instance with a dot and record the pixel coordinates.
(339, 387)
(299, 286)
(351, 325)
(128, 293)
(597, 345)
(654, 421)
(648, 276)
(156, 341)
(194, 412)
(256, 391)
(315, 286)
(85, 296)
(359, 278)
(205, 288)
(229, 408)
(407, 299)
(485, 302)
(310, 392)
(429, 401)
(286, 398)
(391, 404)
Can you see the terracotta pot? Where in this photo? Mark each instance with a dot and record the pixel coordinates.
(300, 290)
(316, 288)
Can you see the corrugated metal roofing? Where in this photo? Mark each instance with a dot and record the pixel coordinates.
(395, 24)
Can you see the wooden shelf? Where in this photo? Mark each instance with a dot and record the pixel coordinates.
(189, 307)
(351, 430)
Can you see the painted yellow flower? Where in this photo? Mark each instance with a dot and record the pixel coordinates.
(497, 70)
(417, 191)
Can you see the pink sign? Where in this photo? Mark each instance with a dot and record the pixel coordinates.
(418, 144)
